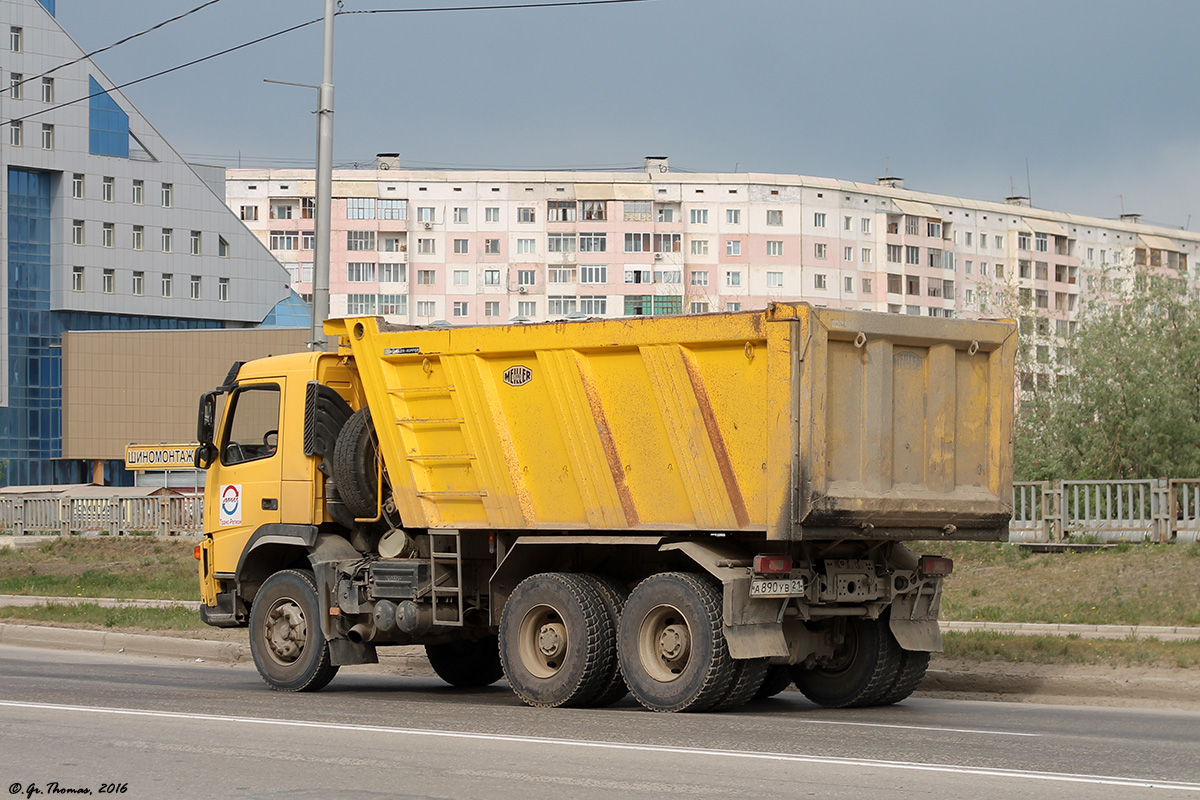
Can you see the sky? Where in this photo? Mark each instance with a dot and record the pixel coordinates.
(1087, 106)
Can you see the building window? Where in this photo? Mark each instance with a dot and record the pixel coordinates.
(637, 243)
(16, 84)
(525, 214)
(733, 306)
(820, 250)
(391, 244)
(895, 283)
(139, 237)
(393, 210)
(358, 208)
(360, 304)
(639, 276)
(461, 216)
(425, 214)
(194, 243)
(77, 279)
(866, 255)
(527, 309)
(426, 247)
(819, 280)
(77, 231)
(308, 240)
(77, 186)
(774, 216)
(733, 216)
(933, 229)
(281, 211)
(935, 257)
(360, 240)
(106, 188)
(526, 277)
(894, 253)
(15, 35)
(280, 240)
(560, 211)
(847, 223)
(912, 254)
(593, 242)
(1022, 241)
(308, 207)
(668, 242)
(699, 278)
(491, 277)
(912, 225)
(460, 246)
(593, 274)
(491, 214)
(138, 195)
(195, 287)
(819, 220)
(666, 214)
(560, 243)
(526, 247)
(168, 195)
(866, 224)
(699, 307)
(392, 273)
(733, 247)
(593, 304)
(866, 285)
(222, 247)
(360, 272)
(594, 210)
(848, 254)
(249, 213)
(47, 136)
(462, 277)
(223, 290)
(109, 281)
(426, 308)
(1041, 242)
(699, 216)
(774, 248)
(775, 279)
(560, 275)
(426, 277)
(733, 279)
(139, 283)
(912, 285)
(167, 284)
(108, 235)
(16, 134)
(461, 308)
(638, 210)
(168, 234)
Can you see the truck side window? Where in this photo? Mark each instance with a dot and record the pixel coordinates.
(252, 428)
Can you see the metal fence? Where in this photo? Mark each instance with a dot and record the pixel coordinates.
(1159, 510)
(115, 516)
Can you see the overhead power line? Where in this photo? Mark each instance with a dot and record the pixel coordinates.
(259, 40)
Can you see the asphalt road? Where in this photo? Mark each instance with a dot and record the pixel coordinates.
(167, 729)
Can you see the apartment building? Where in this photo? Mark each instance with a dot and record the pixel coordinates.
(104, 227)
(481, 247)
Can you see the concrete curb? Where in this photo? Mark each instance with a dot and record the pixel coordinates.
(1046, 688)
(105, 602)
(116, 642)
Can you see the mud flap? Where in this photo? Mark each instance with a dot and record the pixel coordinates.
(343, 652)
(914, 618)
(756, 640)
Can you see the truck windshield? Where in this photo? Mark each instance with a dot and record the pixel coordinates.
(252, 428)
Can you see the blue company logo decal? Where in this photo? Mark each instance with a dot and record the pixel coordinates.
(230, 499)
(518, 375)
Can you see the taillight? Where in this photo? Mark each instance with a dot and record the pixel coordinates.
(197, 551)
(936, 565)
(772, 565)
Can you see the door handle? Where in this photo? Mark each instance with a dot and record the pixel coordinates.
(270, 504)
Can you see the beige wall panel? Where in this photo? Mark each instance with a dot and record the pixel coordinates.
(125, 387)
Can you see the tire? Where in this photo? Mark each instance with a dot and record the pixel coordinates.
(671, 646)
(289, 648)
(614, 595)
(468, 664)
(748, 677)
(556, 641)
(779, 677)
(862, 670)
(354, 465)
(913, 665)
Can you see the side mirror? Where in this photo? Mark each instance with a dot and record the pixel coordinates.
(206, 454)
(206, 451)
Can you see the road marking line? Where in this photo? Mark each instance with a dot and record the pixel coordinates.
(914, 727)
(915, 766)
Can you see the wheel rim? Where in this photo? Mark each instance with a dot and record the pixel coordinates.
(286, 631)
(544, 641)
(843, 657)
(664, 643)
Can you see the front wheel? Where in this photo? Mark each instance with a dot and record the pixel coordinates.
(289, 648)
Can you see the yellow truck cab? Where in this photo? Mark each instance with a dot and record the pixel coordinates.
(697, 510)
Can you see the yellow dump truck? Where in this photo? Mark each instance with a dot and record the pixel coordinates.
(695, 510)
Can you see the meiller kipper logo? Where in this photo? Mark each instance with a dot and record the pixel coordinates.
(518, 375)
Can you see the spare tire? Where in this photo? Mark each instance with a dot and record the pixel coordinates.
(355, 456)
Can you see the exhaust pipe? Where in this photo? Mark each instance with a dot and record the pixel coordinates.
(360, 633)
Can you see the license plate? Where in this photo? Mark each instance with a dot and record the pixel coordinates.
(777, 587)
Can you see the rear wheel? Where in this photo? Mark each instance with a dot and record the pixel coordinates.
(779, 677)
(556, 641)
(671, 646)
(289, 648)
(863, 668)
(467, 664)
(913, 666)
(748, 677)
(614, 595)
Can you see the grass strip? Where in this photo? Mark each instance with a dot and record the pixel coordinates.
(149, 619)
(981, 646)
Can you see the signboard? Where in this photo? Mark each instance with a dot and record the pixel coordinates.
(160, 456)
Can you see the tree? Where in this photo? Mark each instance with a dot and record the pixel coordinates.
(1128, 405)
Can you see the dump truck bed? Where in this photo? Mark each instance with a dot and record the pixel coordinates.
(793, 421)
